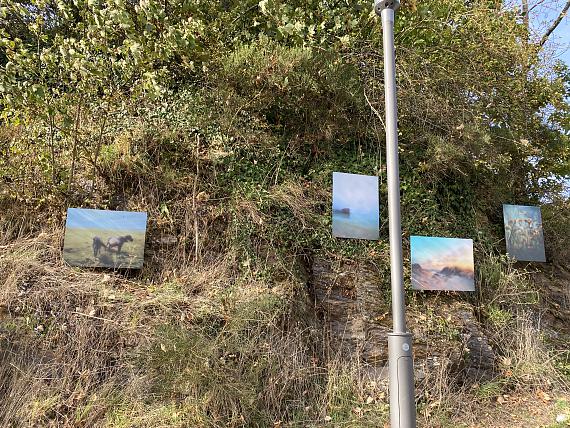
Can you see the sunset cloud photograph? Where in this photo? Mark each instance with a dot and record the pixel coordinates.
(442, 264)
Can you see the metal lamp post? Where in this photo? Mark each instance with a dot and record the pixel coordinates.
(402, 403)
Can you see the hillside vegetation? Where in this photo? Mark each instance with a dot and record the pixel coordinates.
(224, 121)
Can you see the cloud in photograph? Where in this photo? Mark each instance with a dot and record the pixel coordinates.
(355, 191)
(105, 219)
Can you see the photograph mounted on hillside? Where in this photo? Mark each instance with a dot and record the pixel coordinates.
(99, 238)
(355, 206)
(442, 264)
(523, 233)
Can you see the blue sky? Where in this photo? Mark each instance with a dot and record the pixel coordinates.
(436, 253)
(355, 191)
(109, 220)
(542, 16)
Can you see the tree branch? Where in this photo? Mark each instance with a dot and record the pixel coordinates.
(525, 15)
(554, 24)
(534, 6)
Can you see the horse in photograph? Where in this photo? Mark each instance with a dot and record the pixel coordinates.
(97, 245)
(118, 242)
(114, 243)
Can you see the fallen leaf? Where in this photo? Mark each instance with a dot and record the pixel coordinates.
(543, 396)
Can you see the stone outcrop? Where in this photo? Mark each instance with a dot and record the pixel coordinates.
(353, 302)
(554, 285)
(350, 303)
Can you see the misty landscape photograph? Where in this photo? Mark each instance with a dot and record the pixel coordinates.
(100, 238)
(523, 233)
(355, 207)
(442, 264)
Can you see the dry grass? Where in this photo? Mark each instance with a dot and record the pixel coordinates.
(65, 337)
(95, 348)
(201, 345)
(513, 310)
(294, 195)
(527, 362)
(88, 348)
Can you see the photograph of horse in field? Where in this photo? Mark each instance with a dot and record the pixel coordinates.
(523, 233)
(101, 238)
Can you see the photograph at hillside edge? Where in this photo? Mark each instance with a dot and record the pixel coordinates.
(355, 206)
(442, 264)
(100, 238)
(523, 233)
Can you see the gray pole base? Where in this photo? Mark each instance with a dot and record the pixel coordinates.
(401, 366)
